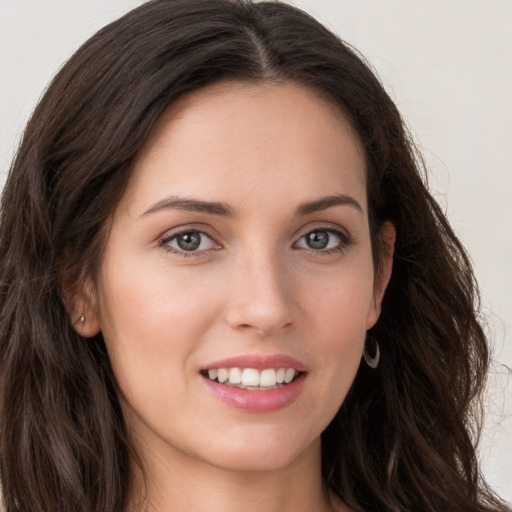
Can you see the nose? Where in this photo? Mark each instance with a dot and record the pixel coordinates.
(260, 298)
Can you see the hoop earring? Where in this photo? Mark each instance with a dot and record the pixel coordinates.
(372, 362)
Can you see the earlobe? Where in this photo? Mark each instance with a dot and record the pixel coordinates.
(383, 273)
(81, 303)
(86, 325)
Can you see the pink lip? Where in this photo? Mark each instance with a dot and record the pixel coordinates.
(258, 362)
(257, 401)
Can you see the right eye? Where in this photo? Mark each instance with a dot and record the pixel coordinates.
(189, 241)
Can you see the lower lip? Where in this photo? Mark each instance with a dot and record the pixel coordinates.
(257, 401)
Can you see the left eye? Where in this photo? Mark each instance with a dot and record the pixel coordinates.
(321, 239)
(189, 241)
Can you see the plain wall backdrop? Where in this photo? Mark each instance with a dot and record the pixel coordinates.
(447, 64)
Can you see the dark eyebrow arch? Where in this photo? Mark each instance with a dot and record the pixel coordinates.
(328, 202)
(193, 205)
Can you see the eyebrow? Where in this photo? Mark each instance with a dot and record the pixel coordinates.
(193, 205)
(328, 202)
(223, 209)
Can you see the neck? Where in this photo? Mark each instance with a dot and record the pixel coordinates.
(180, 483)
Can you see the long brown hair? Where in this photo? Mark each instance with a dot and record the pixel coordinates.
(403, 440)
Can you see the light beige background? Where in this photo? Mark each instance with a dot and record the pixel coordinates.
(448, 65)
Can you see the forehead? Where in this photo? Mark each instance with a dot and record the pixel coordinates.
(236, 136)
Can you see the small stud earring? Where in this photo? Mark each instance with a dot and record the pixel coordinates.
(81, 320)
(372, 361)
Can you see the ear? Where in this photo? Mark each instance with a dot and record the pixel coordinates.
(387, 237)
(81, 302)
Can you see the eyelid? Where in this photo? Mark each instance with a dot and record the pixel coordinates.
(169, 235)
(325, 226)
(345, 237)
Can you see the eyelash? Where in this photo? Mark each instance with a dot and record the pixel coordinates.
(186, 254)
(345, 241)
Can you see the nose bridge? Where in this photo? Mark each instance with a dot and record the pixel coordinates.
(261, 292)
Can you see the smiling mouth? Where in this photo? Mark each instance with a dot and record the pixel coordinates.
(252, 379)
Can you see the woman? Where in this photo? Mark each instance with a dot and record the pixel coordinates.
(221, 270)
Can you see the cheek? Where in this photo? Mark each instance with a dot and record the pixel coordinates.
(151, 319)
(152, 298)
(340, 309)
(343, 300)
(343, 331)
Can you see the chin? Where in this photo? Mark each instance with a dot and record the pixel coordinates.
(258, 451)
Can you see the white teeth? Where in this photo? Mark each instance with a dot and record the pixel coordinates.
(235, 376)
(222, 375)
(268, 377)
(289, 375)
(250, 378)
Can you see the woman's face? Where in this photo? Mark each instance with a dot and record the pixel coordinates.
(240, 251)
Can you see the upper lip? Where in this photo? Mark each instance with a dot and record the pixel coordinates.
(258, 362)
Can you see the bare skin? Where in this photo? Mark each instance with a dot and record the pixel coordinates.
(227, 492)
(270, 181)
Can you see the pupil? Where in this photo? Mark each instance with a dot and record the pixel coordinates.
(318, 239)
(189, 241)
